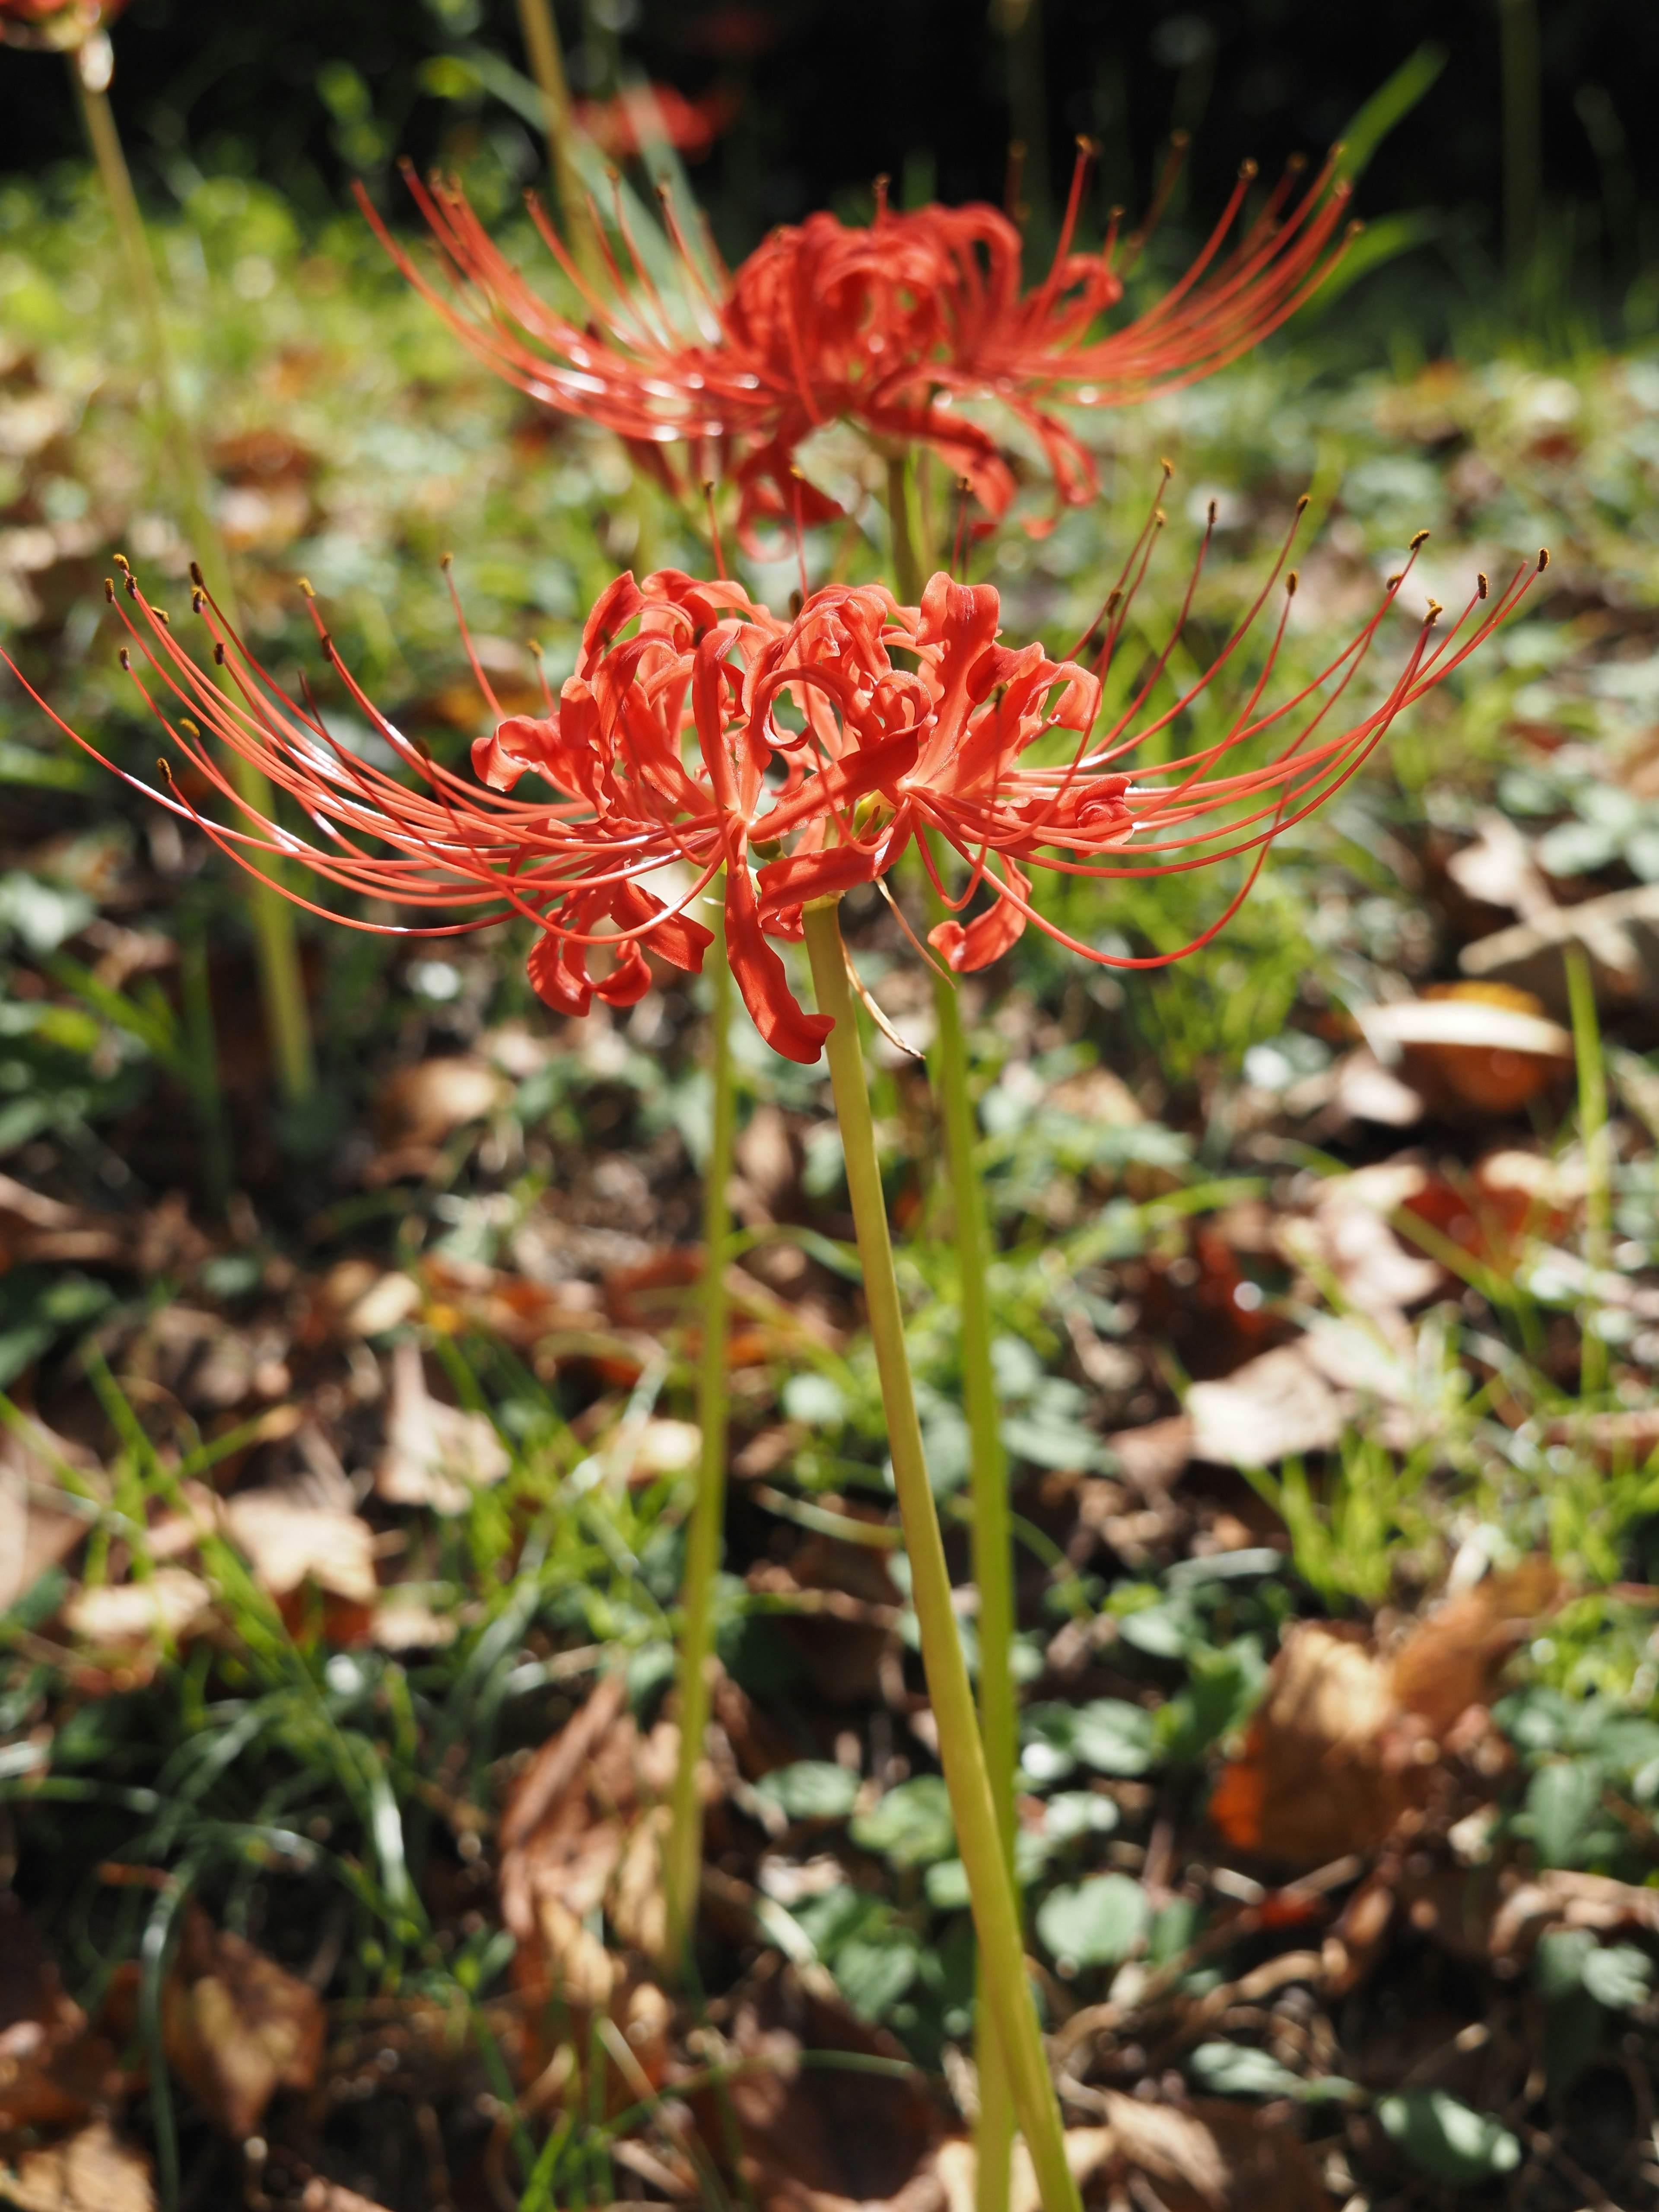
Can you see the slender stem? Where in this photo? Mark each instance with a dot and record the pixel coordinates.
(541, 39)
(683, 1868)
(282, 985)
(993, 1546)
(990, 1887)
(202, 1053)
(1598, 1177)
(907, 577)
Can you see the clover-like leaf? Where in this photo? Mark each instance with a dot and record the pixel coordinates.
(1445, 2139)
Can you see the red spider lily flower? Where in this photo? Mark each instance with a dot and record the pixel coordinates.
(619, 127)
(890, 327)
(701, 730)
(981, 782)
(58, 24)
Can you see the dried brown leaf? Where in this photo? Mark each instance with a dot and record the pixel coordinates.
(36, 1530)
(236, 2026)
(1452, 1659)
(53, 2070)
(567, 1843)
(91, 2171)
(1323, 1770)
(116, 1616)
(818, 2138)
(1213, 2156)
(1269, 1409)
(435, 1454)
(287, 1544)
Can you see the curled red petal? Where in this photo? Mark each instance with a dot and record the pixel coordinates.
(558, 974)
(678, 939)
(759, 974)
(628, 981)
(964, 947)
(520, 743)
(786, 885)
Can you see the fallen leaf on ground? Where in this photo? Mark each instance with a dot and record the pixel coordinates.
(1272, 1407)
(92, 2172)
(822, 2138)
(116, 1615)
(1498, 869)
(1346, 1738)
(435, 1454)
(36, 1531)
(1152, 1455)
(1213, 2156)
(52, 2070)
(1618, 932)
(1454, 1656)
(287, 1545)
(420, 1105)
(363, 1300)
(1562, 1900)
(1344, 1236)
(568, 1847)
(1316, 1777)
(236, 2026)
(1365, 1091)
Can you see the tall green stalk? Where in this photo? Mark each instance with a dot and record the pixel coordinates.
(282, 986)
(684, 1860)
(907, 576)
(1598, 1160)
(541, 41)
(993, 1545)
(990, 1883)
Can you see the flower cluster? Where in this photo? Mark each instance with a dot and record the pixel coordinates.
(700, 735)
(891, 327)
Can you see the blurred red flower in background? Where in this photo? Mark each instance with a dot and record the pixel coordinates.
(619, 127)
(699, 733)
(891, 326)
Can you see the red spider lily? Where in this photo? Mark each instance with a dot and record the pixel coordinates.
(890, 327)
(619, 127)
(700, 729)
(60, 25)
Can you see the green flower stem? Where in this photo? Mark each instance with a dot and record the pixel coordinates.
(282, 986)
(993, 1545)
(990, 1885)
(541, 39)
(907, 577)
(683, 1868)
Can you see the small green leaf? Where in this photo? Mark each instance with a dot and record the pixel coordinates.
(1234, 2069)
(911, 1824)
(1562, 1799)
(1162, 1631)
(810, 1789)
(1619, 1975)
(1095, 1924)
(1072, 1813)
(1114, 1736)
(1445, 2139)
(1558, 1964)
(873, 1976)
